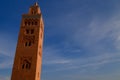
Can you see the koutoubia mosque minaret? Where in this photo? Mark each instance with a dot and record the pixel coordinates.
(28, 57)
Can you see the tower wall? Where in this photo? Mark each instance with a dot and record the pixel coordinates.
(28, 56)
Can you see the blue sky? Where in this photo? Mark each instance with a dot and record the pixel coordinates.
(81, 41)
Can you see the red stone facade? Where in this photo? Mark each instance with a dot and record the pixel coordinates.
(28, 57)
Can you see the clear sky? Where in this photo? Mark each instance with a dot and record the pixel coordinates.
(81, 41)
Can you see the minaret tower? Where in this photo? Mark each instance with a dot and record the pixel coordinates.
(28, 57)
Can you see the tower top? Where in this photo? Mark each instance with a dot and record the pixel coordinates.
(36, 4)
(35, 9)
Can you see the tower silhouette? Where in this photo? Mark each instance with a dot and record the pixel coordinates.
(28, 56)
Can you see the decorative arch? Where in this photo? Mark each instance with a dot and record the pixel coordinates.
(26, 63)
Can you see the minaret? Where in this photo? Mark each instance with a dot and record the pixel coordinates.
(28, 57)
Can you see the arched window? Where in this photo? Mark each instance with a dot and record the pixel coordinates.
(26, 64)
(29, 23)
(23, 66)
(27, 31)
(26, 43)
(36, 23)
(25, 23)
(32, 31)
(32, 12)
(29, 43)
(32, 23)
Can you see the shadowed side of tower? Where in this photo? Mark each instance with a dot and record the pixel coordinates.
(28, 56)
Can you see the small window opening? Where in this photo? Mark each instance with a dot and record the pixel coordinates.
(29, 44)
(28, 23)
(27, 31)
(27, 65)
(25, 23)
(32, 12)
(32, 31)
(23, 66)
(26, 44)
(32, 23)
(36, 23)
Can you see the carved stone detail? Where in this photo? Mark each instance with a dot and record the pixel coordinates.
(29, 38)
(25, 63)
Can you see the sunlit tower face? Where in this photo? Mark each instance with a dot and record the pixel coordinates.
(28, 57)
